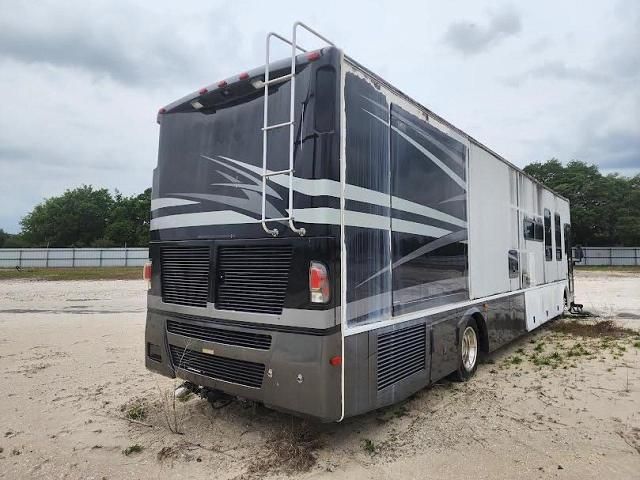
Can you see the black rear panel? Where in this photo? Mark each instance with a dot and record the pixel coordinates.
(185, 275)
(253, 278)
(228, 337)
(245, 373)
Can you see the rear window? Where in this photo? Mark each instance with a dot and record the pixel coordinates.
(325, 105)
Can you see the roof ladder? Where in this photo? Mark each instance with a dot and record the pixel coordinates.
(291, 124)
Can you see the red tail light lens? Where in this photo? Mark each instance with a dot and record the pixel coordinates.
(313, 56)
(318, 283)
(146, 273)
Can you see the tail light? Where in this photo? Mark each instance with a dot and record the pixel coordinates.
(146, 273)
(318, 283)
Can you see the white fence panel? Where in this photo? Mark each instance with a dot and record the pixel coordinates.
(614, 256)
(73, 257)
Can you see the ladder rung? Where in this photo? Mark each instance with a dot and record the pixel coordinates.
(279, 79)
(277, 125)
(279, 172)
(281, 219)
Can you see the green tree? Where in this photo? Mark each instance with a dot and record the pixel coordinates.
(77, 218)
(129, 220)
(605, 210)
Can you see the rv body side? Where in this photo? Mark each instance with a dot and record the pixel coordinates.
(451, 247)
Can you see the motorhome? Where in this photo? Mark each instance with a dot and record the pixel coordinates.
(326, 245)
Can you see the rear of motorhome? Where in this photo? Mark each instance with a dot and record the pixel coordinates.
(325, 245)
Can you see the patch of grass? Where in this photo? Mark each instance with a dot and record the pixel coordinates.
(577, 350)
(131, 449)
(137, 410)
(636, 344)
(368, 446)
(539, 347)
(553, 360)
(78, 273)
(515, 360)
(603, 328)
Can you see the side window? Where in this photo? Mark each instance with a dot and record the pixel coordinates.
(514, 266)
(567, 240)
(532, 229)
(558, 234)
(548, 248)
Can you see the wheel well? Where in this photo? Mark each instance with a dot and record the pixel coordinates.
(482, 328)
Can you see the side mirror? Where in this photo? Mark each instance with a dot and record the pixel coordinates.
(579, 254)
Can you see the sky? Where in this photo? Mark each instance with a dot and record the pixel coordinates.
(82, 82)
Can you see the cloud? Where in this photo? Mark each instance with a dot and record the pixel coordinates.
(559, 70)
(613, 150)
(131, 45)
(471, 38)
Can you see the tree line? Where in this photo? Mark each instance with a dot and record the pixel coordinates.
(85, 217)
(605, 211)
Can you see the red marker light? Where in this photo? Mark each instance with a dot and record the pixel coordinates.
(202, 91)
(222, 84)
(335, 361)
(312, 56)
(243, 76)
(162, 110)
(146, 273)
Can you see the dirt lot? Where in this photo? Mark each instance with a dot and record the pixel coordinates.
(76, 402)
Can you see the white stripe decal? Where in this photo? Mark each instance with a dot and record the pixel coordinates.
(322, 216)
(220, 217)
(158, 203)
(424, 151)
(317, 187)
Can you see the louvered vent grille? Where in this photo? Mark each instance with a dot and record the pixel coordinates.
(230, 370)
(253, 278)
(228, 337)
(401, 353)
(185, 275)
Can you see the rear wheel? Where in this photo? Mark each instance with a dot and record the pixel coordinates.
(468, 351)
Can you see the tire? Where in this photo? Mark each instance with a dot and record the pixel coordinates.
(468, 351)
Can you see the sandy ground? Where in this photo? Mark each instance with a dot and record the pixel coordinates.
(552, 405)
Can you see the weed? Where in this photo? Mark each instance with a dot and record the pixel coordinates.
(636, 344)
(577, 350)
(137, 448)
(291, 450)
(369, 446)
(539, 347)
(516, 360)
(137, 410)
(186, 397)
(520, 351)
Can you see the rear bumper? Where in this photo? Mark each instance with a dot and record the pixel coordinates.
(290, 373)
